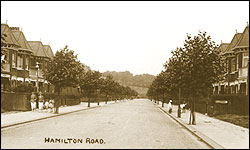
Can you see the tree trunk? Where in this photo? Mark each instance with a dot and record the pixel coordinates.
(106, 99)
(157, 99)
(163, 100)
(179, 107)
(192, 119)
(98, 100)
(89, 99)
(57, 99)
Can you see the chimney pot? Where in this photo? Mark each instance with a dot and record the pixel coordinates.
(14, 28)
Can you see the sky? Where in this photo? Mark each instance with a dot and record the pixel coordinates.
(135, 36)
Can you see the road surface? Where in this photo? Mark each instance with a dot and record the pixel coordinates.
(130, 124)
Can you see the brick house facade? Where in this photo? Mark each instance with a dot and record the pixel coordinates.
(236, 63)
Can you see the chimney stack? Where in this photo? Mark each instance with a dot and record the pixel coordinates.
(14, 28)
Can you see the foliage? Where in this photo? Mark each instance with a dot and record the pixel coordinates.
(64, 69)
(3, 53)
(107, 85)
(192, 68)
(128, 79)
(24, 87)
(90, 82)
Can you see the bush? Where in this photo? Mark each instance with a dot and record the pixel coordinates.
(24, 87)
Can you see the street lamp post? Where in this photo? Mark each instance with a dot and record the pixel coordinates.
(37, 85)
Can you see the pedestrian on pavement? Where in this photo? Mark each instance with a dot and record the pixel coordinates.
(46, 104)
(183, 110)
(169, 106)
(51, 105)
(41, 101)
(33, 101)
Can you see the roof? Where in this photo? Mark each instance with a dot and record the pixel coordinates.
(21, 40)
(49, 51)
(233, 43)
(10, 39)
(223, 47)
(244, 41)
(38, 48)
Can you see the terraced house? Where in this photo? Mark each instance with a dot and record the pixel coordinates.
(236, 63)
(25, 60)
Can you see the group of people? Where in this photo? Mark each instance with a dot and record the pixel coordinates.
(42, 104)
(170, 107)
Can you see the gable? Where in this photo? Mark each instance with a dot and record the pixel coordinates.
(10, 39)
(38, 48)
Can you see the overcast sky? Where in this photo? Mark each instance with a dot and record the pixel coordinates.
(124, 35)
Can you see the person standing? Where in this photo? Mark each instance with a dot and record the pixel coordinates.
(33, 101)
(41, 101)
(51, 105)
(46, 104)
(169, 107)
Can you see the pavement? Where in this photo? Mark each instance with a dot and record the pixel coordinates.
(13, 118)
(216, 133)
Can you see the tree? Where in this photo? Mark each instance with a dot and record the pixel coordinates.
(90, 82)
(107, 85)
(192, 68)
(63, 70)
(205, 66)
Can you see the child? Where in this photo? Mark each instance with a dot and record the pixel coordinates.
(183, 107)
(46, 104)
(169, 107)
(33, 101)
(51, 105)
(41, 101)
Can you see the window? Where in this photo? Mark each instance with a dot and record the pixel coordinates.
(13, 60)
(225, 66)
(240, 60)
(237, 62)
(245, 62)
(245, 59)
(27, 63)
(19, 61)
(233, 65)
(228, 68)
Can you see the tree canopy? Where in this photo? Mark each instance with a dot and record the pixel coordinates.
(64, 69)
(193, 68)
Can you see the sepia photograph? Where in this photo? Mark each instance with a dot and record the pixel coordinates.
(124, 74)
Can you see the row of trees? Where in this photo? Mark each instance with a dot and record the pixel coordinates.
(190, 72)
(65, 70)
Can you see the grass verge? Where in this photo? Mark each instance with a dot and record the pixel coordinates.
(239, 120)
